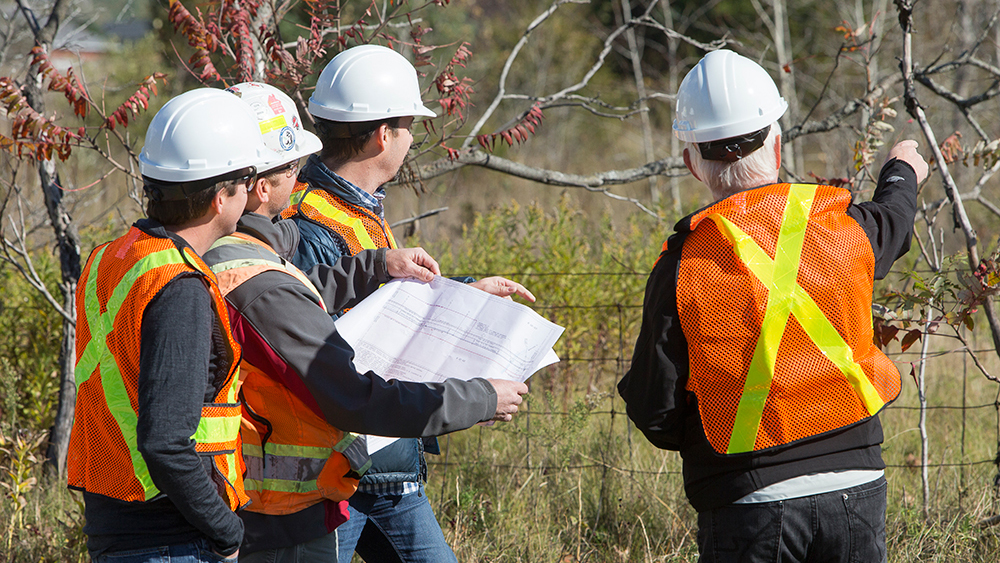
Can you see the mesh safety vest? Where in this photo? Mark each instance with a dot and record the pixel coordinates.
(360, 228)
(118, 282)
(294, 458)
(774, 296)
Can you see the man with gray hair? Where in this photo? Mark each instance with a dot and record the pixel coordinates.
(755, 357)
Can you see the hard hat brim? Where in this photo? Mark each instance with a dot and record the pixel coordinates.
(350, 116)
(728, 130)
(306, 144)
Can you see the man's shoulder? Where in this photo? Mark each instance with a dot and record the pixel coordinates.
(313, 232)
(271, 287)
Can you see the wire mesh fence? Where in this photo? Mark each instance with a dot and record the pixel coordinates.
(945, 445)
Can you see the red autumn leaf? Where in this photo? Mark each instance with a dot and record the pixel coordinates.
(951, 148)
(911, 337)
(888, 334)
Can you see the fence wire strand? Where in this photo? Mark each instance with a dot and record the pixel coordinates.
(618, 363)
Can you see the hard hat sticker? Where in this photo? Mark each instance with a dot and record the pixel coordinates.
(273, 124)
(286, 138)
(275, 104)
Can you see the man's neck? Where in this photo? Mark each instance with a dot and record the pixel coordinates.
(201, 235)
(360, 173)
(263, 208)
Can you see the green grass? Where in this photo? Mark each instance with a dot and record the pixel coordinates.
(569, 480)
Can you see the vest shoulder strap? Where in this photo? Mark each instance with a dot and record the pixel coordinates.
(238, 257)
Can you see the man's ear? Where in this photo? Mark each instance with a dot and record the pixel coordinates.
(777, 151)
(218, 202)
(262, 190)
(687, 162)
(381, 136)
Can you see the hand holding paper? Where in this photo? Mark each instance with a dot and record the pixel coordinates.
(429, 332)
(411, 263)
(508, 398)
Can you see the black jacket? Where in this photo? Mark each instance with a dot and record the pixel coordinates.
(667, 414)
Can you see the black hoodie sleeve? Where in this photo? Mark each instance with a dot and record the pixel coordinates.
(888, 218)
(654, 386)
(344, 284)
(175, 367)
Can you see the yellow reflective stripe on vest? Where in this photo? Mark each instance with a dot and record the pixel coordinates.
(295, 450)
(280, 485)
(388, 236)
(786, 296)
(97, 354)
(218, 429)
(274, 480)
(355, 223)
(288, 450)
(232, 475)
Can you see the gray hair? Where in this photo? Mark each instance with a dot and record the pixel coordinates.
(727, 178)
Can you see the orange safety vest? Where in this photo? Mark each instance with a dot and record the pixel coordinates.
(120, 279)
(774, 295)
(360, 228)
(294, 458)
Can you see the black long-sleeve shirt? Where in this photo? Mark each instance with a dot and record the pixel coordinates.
(655, 386)
(182, 350)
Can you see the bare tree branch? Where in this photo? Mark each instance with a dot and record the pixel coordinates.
(635, 56)
(593, 182)
(990, 93)
(836, 119)
(16, 253)
(418, 217)
(336, 30)
(974, 356)
(905, 8)
(648, 21)
(502, 86)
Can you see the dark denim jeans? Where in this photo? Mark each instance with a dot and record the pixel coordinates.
(199, 551)
(845, 526)
(393, 529)
(319, 550)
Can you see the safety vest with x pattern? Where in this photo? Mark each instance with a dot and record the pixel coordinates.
(294, 458)
(120, 279)
(774, 296)
(361, 229)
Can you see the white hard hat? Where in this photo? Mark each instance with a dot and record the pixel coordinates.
(367, 83)
(725, 95)
(199, 135)
(279, 123)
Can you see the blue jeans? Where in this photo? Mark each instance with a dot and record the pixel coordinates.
(199, 551)
(393, 529)
(840, 526)
(322, 549)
